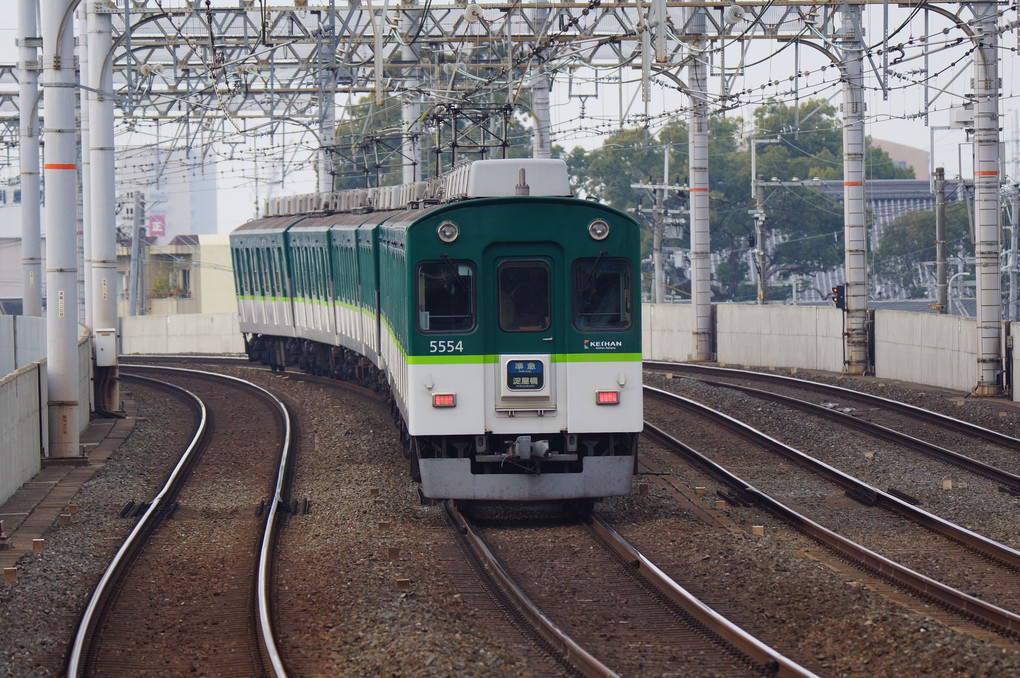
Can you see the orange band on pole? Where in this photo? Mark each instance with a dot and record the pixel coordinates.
(853, 183)
(987, 173)
(698, 190)
(58, 166)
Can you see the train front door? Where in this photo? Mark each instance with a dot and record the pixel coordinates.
(527, 309)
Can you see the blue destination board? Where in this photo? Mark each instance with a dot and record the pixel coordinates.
(524, 375)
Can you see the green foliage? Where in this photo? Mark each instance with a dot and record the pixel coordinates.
(809, 225)
(910, 240)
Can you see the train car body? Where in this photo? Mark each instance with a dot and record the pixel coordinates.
(505, 328)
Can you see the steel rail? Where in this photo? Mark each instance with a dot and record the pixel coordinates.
(997, 617)
(999, 552)
(775, 663)
(564, 644)
(890, 435)
(135, 540)
(131, 546)
(903, 408)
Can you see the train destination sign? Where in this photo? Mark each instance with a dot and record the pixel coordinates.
(524, 375)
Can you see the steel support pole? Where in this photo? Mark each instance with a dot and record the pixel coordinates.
(60, 130)
(941, 279)
(28, 152)
(987, 205)
(103, 232)
(855, 227)
(697, 130)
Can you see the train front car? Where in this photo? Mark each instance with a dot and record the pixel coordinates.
(524, 355)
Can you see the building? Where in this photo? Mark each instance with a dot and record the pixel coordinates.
(175, 190)
(190, 274)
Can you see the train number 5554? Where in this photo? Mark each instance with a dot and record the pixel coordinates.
(448, 346)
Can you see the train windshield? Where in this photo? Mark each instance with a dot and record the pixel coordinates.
(602, 294)
(446, 296)
(524, 296)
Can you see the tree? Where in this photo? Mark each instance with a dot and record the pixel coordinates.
(808, 225)
(908, 243)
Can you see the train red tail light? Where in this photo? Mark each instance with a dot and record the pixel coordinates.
(444, 400)
(607, 397)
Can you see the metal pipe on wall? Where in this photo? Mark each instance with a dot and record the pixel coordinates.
(85, 280)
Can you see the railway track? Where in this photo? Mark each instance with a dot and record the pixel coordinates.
(943, 562)
(188, 592)
(615, 613)
(960, 476)
(932, 433)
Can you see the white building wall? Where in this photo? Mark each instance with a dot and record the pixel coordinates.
(926, 348)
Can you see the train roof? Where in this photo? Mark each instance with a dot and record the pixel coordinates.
(274, 224)
(478, 179)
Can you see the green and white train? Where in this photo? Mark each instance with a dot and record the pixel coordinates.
(499, 315)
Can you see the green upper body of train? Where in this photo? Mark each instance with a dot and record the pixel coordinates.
(500, 316)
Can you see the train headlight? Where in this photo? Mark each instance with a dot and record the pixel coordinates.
(448, 231)
(607, 397)
(598, 230)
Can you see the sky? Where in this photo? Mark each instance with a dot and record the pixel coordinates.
(586, 122)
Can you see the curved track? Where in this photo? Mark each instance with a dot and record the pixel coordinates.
(188, 591)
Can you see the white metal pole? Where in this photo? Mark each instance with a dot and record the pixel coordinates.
(28, 152)
(410, 110)
(541, 142)
(86, 198)
(987, 215)
(855, 228)
(61, 221)
(103, 205)
(697, 130)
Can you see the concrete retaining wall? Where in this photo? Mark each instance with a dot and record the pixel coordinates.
(922, 348)
(1014, 332)
(216, 333)
(22, 433)
(24, 414)
(926, 348)
(667, 332)
(809, 337)
(22, 341)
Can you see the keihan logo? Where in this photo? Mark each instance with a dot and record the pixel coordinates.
(601, 345)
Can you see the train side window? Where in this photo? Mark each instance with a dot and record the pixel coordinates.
(446, 296)
(524, 296)
(602, 294)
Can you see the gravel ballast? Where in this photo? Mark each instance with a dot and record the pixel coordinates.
(354, 607)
